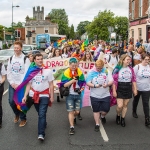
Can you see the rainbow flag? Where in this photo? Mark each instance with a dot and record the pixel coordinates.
(33, 70)
(62, 40)
(66, 77)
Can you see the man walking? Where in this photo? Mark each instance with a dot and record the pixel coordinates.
(18, 64)
(41, 91)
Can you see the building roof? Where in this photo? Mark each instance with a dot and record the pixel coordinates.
(40, 23)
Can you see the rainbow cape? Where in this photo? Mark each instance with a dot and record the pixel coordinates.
(33, 70)
(66, 78)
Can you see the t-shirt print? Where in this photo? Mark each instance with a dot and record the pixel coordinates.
(100, 79)
(38, 79)
(145, 73)
(17, 67)
(126, 75)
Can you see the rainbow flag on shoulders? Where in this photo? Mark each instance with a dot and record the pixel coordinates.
(33, 70)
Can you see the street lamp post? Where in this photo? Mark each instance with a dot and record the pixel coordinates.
(12, 19)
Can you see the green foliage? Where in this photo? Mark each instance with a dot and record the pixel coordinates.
(1, 32)
(99, 26)
(72, 33)
(60, 17)
(81, 28)
(122, 26)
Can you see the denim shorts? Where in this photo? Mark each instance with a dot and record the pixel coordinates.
(73, 102)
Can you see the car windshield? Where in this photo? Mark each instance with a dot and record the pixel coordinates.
(6, 52)
(25, 47)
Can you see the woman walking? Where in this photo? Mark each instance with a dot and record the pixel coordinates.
(142, 72)
(124, 80)
(99, 80)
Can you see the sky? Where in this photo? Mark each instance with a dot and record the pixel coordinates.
(77, 10)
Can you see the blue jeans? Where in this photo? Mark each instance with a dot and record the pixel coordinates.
(13, 105)
(41, 108)
(73, 102)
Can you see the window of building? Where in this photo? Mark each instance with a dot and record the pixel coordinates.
(133, 8)
(33, 30)
(46, 30)
(140, 7)
(33, 39)
(140, 33)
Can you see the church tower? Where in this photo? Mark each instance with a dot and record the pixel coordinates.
(38, 14)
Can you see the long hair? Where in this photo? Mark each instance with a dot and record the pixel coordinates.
(84, 56)
(120, 63)
(54, 54)
(64, 51)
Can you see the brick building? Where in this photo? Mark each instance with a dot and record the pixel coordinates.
(138, 27)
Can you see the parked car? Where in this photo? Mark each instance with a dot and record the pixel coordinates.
(5, 55)
(26, 48)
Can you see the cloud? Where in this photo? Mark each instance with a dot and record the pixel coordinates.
(76, 10)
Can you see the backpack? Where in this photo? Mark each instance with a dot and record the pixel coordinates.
(110, 58)
(25, 57)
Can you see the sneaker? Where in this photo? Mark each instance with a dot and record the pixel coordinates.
(96, 128)
(16, 119)
(22, 123)
(103, 120)
(71, 131)
(41, 137)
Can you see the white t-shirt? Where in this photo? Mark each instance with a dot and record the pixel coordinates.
(142, 77)
(59, 57)
(17, 69)
(125, 75)
(41, 82)
(64, 55)
(71, 91)
(101, 79)
(112, 61)
(3, 72)
(137, 56)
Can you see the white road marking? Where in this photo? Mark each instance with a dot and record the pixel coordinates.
(5, 92)
(103, 132)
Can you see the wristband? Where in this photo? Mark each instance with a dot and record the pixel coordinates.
(94, 86)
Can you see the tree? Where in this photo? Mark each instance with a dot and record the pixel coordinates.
(81, 28)
(99, 26)
(60, 17)
(72, 33)
(122, 26)
(1, 32)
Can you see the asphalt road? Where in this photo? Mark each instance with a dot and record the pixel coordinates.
(135, 136)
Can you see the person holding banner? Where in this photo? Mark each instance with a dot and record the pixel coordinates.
(41, 90)
(74, 79)
(57, 55)
(99, 79)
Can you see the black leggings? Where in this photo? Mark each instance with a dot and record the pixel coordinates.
(1, 95)
(145, 101)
